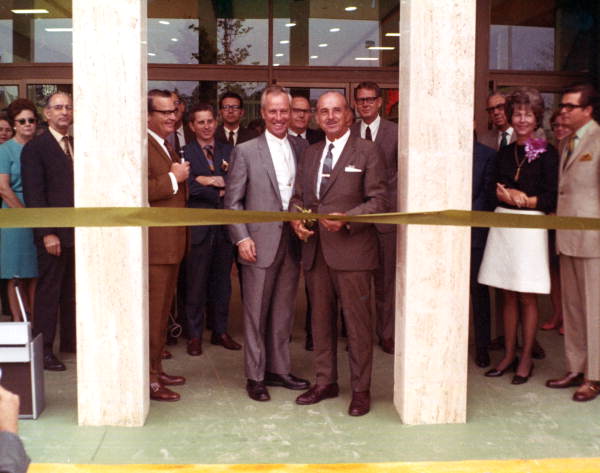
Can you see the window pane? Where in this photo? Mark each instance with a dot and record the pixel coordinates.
(543, 35)
(325, 33)
(8, 93)
(206, 32)
(39, 93)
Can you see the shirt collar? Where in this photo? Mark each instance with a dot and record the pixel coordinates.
(583, 130)
(273, 139)
(340, 142)
(57, 135)
(160, 140)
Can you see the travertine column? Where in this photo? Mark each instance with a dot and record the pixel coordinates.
(109, 77)
(437, 49)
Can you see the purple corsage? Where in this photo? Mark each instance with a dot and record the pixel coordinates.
(534, 147)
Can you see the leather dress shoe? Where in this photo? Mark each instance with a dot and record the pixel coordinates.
(587, 391)
(517, 379)
(317, 393)
(159, 393)
(482, 358)
(537, 351)
(567, 381)
(496, 373)
(168, 380)
(387, 345)
(225, 341)
(288, 381)
(51, 363)
(361, 403)
(194, 346)
(257, 391)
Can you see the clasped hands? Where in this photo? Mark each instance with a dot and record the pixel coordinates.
(330, 225)
(514, 197)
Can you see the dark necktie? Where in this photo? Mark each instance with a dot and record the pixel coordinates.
(171, 150)
(326, 171)
(210, 157)
(368, 135)
(504, 140)
(230, 139)
(67, 147)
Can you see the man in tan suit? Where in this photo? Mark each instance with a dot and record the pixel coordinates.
(166, 188)
(579, 250)
(342, 175)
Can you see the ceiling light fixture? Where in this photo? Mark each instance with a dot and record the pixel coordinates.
(351, 8)
(164, 22)
(366, 59)
(334, 30)
(393, 34)
(279, 55)
(314, 57)
(290, 25)
(59, 30)
(30, 11)
(151, 54)
(174, 40)
(382, 48)
(284, 41)
(323, 45)
(276, 64)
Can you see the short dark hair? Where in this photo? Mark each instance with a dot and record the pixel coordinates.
(527, 96)
(589, 95)
(201, 107)
(166, 94)
(16, 107)
(369, 85)
(230, 95)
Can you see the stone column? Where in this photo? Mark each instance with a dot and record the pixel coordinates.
(437, 50)
(109, 82)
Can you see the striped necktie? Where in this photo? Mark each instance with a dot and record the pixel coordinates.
(326, 171)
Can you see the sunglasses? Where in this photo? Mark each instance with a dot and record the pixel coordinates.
(22, 121)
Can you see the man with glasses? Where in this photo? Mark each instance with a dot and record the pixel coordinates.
(384, 134)
(167, 187)
(231, 107)
(300, 118)
(182, 134)
(47, 173)
(502, 133)
(579, 250)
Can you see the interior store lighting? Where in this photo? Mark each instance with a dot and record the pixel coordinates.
(366, 59)
(334, 30)
(30, 11)
(393, 34)
(323, 45)
(164, 22)
(382, 48)
(284, 41)
(351, 8)
(59, 30)
(290, 25)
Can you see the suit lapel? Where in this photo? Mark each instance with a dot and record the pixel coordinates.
(340, 165)
(581, 148)
(159, 150)
(265, 156)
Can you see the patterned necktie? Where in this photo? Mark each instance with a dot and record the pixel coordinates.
(326, 171)
(504, 140)
(210, 157)
(67, 147)
(368, 135)
(570, 148)
(230, 139)
(171, 151)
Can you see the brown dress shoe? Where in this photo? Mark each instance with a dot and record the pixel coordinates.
(567, 381)
(225, 341)
(166, 355)
(361, 403)
(257, 391)
(194, 347)
(387, 345)
(587, 391)
(317, 393)
(159, 393)
(168, 380)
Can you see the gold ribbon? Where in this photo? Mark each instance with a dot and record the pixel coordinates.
(56, 217)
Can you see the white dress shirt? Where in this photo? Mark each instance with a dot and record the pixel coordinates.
(293, 133)
(235, 134)
(373, 126)
(509, 132)
(161, 142)
(338, 147)
(285, 168)
(59, 137)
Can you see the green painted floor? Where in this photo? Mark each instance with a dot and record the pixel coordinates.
(216, 423)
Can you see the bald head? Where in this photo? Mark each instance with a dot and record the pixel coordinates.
(332, 109)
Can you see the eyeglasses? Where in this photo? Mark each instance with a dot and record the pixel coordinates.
(165, 113)
(22, 121)
(60, 107)
(569, 107)
(301, 110)
(498, 107)
(367, 100)
(231, 107)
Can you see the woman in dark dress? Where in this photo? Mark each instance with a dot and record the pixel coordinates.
(516, 259)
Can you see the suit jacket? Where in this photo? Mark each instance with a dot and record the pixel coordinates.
(244, 134)
(353, 248)
(579, 194)
(205, 197)
(252, 185)
(314, 136)
(187, 133)
(387, 140)
(490, 138)
(166, 245)
(47, 175)
(483, 175)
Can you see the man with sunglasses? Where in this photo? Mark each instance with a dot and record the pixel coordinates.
(579, 250)
(384, 133)
(167, 187)
(502, 133)
(47, 173)
(231, 108)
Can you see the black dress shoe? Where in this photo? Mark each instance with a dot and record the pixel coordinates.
(522, 379)
(257, 391)
(537, 351)
(496, 373)
(482, 358)
(288, 381)
(317, 393)
(51, 363)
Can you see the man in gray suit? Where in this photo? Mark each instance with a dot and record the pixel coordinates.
(502, 133)
(579, 250)
(262, 177)
(384, 133)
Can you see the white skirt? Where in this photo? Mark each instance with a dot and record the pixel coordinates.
(516, 259)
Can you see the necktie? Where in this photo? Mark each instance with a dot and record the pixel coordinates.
(504, 140)
(368, 135)
(172, 153)
(230, 139)
(210, 157)
(570, 148)
(67, 147)
(326, 171)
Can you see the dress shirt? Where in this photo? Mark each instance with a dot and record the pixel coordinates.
(235, 134)
(338, 147)
(285, 168)
(300, 135)
(161, 142)
(579, 134)
(509, 132)
(59, 137)
(181, 135)
(373, 126)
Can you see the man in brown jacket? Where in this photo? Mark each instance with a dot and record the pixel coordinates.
(342, 175)
(166, 188)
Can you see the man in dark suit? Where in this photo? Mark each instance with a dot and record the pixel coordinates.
(47, 171)
(167, 187)
(483, 175)
(261, 178)
(231, 107)
(208, 262)
(299, 120)
(384, 133)
(182, 134)
(343, 175)
(502, 133)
